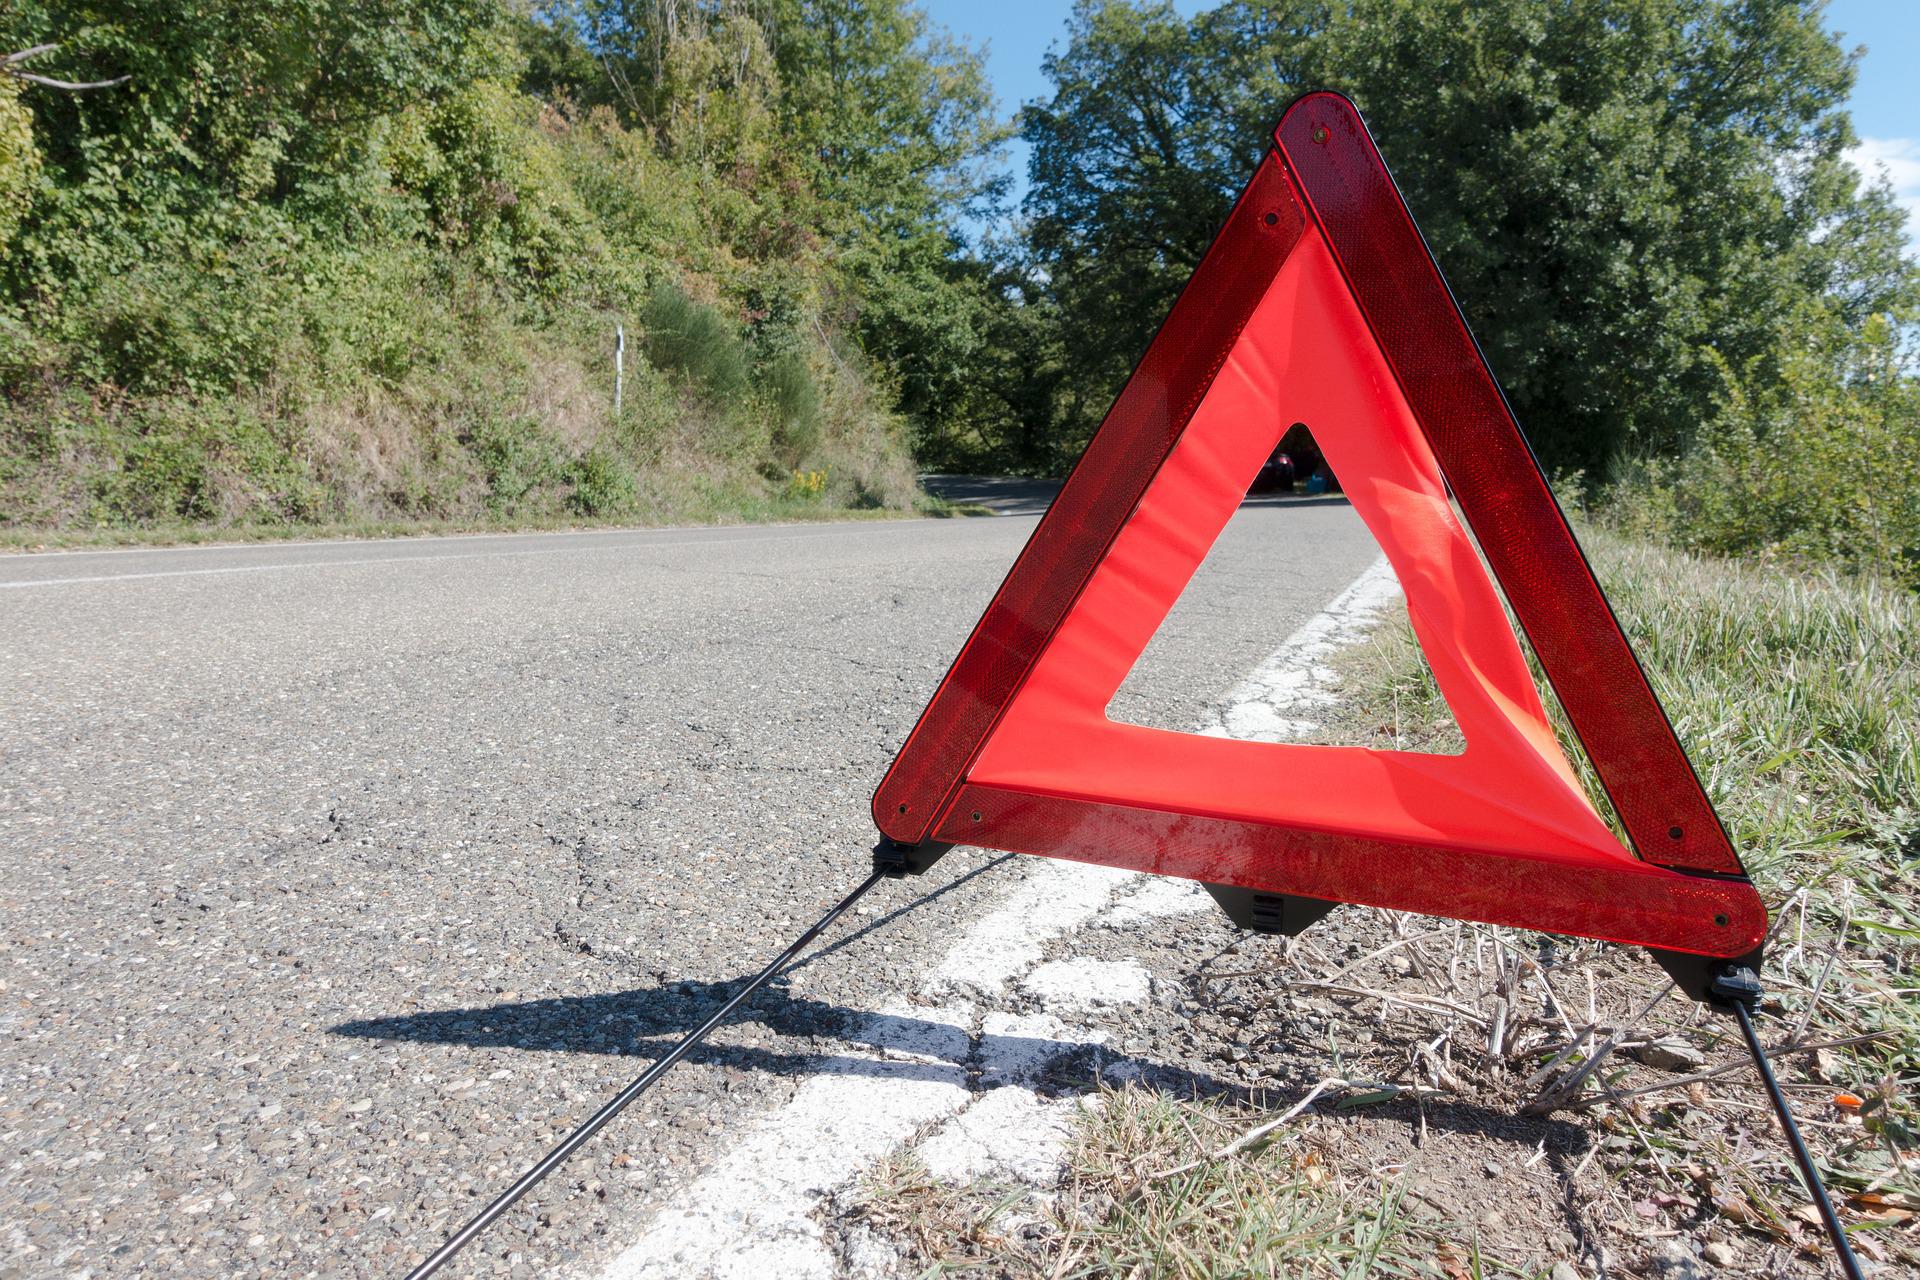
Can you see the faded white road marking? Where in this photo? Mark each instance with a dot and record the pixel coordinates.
(750, 1216)
(1085, 983)
(753, 1214)
(1011, 938)
(1156, 898)
(1271, 704)
(1007, 1133)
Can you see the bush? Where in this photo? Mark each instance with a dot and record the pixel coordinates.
(415, 325)
(1822, 470)
(603, 484)
(690, 338)
(170, 460)
(374, 313)
(493, 186)
(19, 160)
(210, 322)
(795, 403)
(517, 459)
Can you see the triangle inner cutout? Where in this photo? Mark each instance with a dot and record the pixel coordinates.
(1212, 667)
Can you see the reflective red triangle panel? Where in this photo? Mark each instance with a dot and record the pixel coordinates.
(1279, 325)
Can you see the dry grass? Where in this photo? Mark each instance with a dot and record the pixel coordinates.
(1143, 1197)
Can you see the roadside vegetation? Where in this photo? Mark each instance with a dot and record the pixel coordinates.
(310, 264)
(1693, 301)
(279, 269)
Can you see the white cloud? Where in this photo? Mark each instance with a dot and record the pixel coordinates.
(1898, 159)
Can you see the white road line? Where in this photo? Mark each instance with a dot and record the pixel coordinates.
(1272, 704)
(752, 1215)
(20, 583)
(755, 1213)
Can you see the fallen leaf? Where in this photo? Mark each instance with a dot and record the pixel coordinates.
(1738, 1209)
(1885, 1206)
(1669, 1053)
(1452, 1263)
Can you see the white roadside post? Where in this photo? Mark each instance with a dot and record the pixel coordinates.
(619, 365)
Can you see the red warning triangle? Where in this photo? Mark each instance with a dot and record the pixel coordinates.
(1319, 303)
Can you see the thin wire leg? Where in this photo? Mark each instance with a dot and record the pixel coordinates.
(598, 1121)
(1809, 1173)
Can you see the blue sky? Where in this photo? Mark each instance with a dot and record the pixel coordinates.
(1886, 103)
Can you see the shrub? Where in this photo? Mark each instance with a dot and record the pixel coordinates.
(517, 459)
(690, 338)
(1820, 470)
(374, 313)
(603, 484)
(204, 323)
(19, 159)
(493, 186)
(795, 403)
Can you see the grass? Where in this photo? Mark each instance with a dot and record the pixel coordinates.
(1798, 696)
(1278, 1211)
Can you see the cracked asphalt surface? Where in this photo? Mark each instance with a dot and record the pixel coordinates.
(339, 879)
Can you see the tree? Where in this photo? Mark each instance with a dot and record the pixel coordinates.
(1631, 197)
(869, 131)
(1136, 156)
(898, 128)
(228, 109)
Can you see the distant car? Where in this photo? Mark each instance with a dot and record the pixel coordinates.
(1276, 473)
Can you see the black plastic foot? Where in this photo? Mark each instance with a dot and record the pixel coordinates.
(1279, 913)
(895, 860)
(1698, 975)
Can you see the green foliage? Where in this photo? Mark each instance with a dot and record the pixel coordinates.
(231, 109)
(518, 460)
(169, 459)
(177, 325)
(1631, 197)
(1817, 465)
(1136, 156)
(603, 484)
(19, 160)
(493, 187)
(690, 338)
(320, 256)
(795, 402)
(897, 127)
(320, 259)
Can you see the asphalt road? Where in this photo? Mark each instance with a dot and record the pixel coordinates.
(338, 879)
